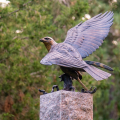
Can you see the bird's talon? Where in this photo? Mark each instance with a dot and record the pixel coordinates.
(91, 92)
(83, 90)
(72, 88)
(43, 91)
(55, 86)
(94, 90)
(91, 88)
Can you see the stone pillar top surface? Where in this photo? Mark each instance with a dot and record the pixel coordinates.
(66, 105)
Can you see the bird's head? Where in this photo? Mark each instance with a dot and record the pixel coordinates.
(48, 41)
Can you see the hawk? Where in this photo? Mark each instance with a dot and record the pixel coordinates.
(81, 41)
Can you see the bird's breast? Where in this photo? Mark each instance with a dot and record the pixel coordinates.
(48, 46)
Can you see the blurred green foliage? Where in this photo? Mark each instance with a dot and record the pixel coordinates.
(22, 24)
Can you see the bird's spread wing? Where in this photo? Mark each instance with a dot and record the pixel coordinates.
(62, 59)
(88, 36)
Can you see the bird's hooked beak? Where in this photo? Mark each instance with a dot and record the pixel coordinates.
(42, 40)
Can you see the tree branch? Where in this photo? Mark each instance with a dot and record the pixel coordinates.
(15, 10)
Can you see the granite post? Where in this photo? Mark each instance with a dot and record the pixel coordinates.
(66, 105)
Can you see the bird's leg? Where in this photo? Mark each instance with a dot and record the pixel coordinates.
(55, 86)
(67, 82)
(82, 84)
(80, 81)
(85, 90)
(43, 91)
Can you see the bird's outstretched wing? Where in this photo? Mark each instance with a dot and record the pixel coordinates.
(88, 36)
(63, 59)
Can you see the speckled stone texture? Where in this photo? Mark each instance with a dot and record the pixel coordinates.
(66, 105)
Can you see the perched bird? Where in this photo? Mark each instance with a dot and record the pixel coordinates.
(81, 41)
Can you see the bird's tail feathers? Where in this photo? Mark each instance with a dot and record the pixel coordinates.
(97, 64)
(96, 73)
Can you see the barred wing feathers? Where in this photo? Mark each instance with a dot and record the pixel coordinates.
(88, 36)
(62, 59)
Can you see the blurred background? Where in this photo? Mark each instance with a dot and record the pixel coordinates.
(22, 24)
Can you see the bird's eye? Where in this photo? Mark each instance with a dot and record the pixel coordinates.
(47, 38)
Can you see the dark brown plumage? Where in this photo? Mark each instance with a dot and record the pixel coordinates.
(81, 41)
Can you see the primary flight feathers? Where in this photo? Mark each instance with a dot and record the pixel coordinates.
(88, 36)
